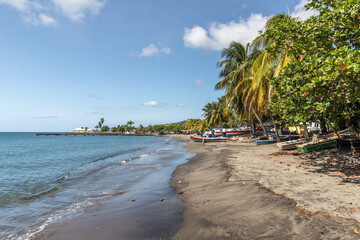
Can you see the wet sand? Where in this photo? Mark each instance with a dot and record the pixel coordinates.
(240, 191)
(148, 208)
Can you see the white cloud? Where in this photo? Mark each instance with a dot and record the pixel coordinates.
(47, 20)
(41, 19)
(76, 9)
(95, 95)
(151, 104)
(20, 5)
(32, 10)
(152, 49)
(301, 13)
(113, 108)
(198, 83)
(221, 35)
(47, 117)
(29, 11)
(166, 50)
(180, 105)
(244, 6)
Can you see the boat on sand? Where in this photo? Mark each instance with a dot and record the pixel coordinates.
(208, 139)
(288, 145)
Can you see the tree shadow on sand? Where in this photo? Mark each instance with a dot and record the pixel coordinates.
(335, 163)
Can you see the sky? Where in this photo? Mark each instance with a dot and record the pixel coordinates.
(67, 63)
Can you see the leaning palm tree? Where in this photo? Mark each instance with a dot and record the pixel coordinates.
(266, 66)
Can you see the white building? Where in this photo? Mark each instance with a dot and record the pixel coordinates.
(82, 130)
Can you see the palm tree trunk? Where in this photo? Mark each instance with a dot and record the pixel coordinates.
(261, 123)
(252, 125)
(276, 129)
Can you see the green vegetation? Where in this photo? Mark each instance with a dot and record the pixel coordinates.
(128, 128)
(295, 71)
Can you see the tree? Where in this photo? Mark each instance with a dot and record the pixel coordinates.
(129, 124)
(140, 129)
(214, 112)
(322, 79)
(121, 128)
(247, 75)
(105, 128)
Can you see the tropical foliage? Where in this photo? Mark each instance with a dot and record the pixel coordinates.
(295, 71)
(322, 80)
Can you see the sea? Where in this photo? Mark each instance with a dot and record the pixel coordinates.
(51, 180)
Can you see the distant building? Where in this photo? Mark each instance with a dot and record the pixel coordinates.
(82, 130)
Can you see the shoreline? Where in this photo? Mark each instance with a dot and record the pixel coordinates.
(146, 206)
(233, 191)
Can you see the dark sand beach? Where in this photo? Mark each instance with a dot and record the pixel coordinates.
(225, 199)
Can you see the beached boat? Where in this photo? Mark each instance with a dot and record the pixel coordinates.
(218, 132)
(263, 142)
(234, 132)
(208, 139)
(323, 144)
(286, 132)
(288, 145)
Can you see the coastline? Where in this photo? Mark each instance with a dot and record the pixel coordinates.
(241, 191)
(145, 206)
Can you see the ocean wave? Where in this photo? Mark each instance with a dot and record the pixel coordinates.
(60, 216)
(49, 191)
(116, 154)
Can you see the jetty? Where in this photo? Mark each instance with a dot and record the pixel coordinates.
(95, 134)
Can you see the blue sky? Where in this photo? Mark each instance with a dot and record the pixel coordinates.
(67, 63)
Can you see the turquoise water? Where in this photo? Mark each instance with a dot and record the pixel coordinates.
(52, 179)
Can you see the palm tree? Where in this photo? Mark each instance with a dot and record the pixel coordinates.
(129, 124)
(140, 128)
(236, 80)
(214, 112)
(247, 77)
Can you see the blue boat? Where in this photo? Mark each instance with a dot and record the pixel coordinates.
(263, 142)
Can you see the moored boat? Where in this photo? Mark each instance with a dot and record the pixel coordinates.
(208, 139)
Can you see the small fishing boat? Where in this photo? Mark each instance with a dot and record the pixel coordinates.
(325, 141)
(323, 144)
(208, 139)
(217, 132)
(234, 132)
(286, 132)
(288, 145)
(263, 142)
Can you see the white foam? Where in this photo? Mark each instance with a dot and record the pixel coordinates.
(60, 216)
